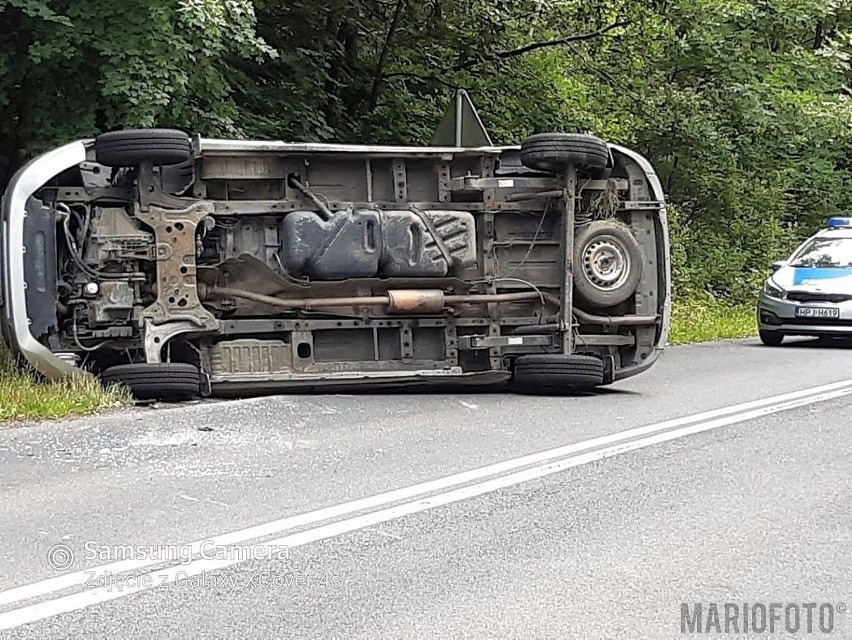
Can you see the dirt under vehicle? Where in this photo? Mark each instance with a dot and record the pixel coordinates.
(180, 265)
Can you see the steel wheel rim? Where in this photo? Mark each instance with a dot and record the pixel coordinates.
(606, 263)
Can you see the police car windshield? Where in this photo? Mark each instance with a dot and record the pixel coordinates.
(825, 252)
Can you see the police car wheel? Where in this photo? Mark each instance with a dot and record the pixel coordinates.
(771, 338)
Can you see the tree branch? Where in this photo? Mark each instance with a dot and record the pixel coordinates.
(383, 56)
(421, 78)
(561, 41)
(512, 53)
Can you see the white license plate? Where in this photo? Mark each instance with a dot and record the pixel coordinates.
(817, 312)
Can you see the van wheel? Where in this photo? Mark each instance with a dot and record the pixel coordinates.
(557, 374)
(607, 263)
(552, 152)
(168, 381)
(130, 147)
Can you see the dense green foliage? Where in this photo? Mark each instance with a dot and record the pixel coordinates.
(703, 319)
(743, 106)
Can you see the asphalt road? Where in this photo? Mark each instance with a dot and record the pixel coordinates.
(737, 490)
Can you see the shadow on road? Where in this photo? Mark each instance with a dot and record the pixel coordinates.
(401, 392)
(808, 343)
(610, 391)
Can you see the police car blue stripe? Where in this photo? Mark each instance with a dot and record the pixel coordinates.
(803, 274)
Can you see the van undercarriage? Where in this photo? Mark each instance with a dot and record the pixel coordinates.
(169, 263)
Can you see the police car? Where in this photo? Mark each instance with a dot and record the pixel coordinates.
(810, 294)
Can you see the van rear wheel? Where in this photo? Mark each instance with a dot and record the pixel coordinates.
(552, 152)
(557, 374)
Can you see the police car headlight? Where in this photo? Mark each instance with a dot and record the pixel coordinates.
(773, 290)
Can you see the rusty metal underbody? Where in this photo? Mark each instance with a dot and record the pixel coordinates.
(308, 267)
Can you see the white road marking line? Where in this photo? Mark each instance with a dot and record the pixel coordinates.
(277, 527)
(83, 599)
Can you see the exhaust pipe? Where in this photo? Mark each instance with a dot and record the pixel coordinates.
(408, 301)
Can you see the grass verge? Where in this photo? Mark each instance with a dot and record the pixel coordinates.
(707, 319)
(24, 397)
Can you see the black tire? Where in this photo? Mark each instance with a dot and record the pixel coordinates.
(599, 248)
(771, 338)
(131, 147)
(169, 381)
(557, 374)
(552, 152)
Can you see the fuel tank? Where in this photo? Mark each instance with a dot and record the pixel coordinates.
(364, 243)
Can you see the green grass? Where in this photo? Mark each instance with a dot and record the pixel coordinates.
(707, 319)
(23, 397)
